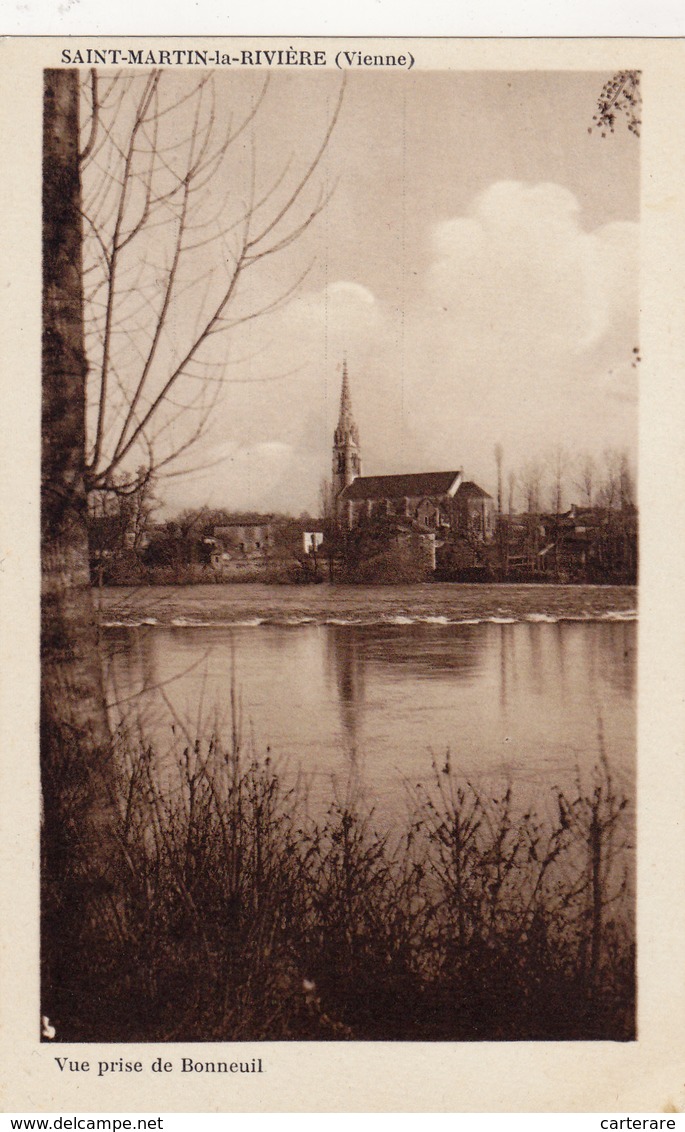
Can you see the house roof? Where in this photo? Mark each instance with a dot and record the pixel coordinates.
(246, 521)
(471, 488)
(400, 487)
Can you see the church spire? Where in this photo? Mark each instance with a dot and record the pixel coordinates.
(346, 455)
(346, 425)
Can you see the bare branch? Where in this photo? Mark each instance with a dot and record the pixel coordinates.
(295, 234)
(297, 192)
(152, 209)
(161, 317)
(268, 308)
(144, 102)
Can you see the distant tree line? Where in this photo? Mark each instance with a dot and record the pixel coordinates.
(568, 518)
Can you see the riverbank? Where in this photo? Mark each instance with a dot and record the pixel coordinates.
(306, 573)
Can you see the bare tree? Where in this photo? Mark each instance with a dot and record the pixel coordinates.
(511, 488)
(530, 485)
(326, 500)
(159, 239)
(120, 522)
(559, 462)
(586, 479)
(617, 548)
(502, 523)
(609, 490)
(499, 456)
(626, 482)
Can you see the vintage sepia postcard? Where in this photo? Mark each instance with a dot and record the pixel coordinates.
(343, 630)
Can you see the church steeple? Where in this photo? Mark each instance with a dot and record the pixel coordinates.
(347, 463)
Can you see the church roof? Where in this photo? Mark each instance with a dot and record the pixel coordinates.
(400, 487)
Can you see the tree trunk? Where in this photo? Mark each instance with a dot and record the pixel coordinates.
(77, 773)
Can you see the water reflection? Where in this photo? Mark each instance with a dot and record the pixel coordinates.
(623, 666)
(416, 652)
(130, 664)
(525, 699)
(347, 661)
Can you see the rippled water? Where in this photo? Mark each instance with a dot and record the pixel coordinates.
(527, 683)
(206, 606)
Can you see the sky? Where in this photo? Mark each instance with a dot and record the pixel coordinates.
(476, 264)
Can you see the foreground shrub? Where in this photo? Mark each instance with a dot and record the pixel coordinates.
(243, 917)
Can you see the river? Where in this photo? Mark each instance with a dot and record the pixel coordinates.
(528, 684)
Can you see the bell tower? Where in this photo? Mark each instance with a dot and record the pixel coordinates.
(347, 464)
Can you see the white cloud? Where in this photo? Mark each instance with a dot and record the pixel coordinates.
(341, 317)
(521, 269)
(352, 291)
(523, 314)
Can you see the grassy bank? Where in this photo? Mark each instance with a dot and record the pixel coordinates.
(244, 918)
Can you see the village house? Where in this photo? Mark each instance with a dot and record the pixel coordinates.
(247, 542)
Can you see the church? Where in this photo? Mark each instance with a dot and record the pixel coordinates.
(433, 505)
